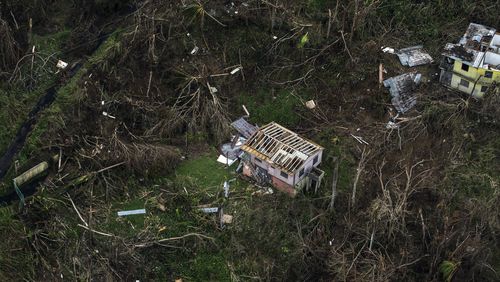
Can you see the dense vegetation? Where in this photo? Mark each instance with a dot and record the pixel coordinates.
(417, 203)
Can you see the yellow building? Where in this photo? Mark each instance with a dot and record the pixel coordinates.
(472, 65)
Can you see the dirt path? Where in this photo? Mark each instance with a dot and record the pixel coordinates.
(21, 135)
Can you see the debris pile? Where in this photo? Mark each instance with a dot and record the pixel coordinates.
(414, 56)
(410, 56)
(402, 89)
(244, 127)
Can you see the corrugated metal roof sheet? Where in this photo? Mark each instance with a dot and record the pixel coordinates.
(414, 56)
(244, 127)
(402, 89)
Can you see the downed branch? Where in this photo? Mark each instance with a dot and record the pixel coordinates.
(96, 232)
(144, 157)
(200, 107)
(197, 235)
(77, 212)
(359, 170)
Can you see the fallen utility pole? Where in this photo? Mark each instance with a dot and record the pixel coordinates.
(30, 175)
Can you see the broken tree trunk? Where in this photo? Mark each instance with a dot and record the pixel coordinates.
(86, 177)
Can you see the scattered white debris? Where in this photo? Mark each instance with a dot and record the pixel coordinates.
(263, 191)
(162, 207)
(188, 34)
(381, 73)
(102, 103)
(388, 50)
(226, 189)
(224, 160)
(246, 110)
(275, 37)
(392, 125)
(61, 65)
(310, 104)
(131, 212)
(212, 89)
(108, 115)
(227, 219)
(209, 210)
(241, 141)
(195, 50)
(236, 70)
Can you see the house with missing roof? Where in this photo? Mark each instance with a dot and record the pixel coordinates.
(473, 64)
(278, 156)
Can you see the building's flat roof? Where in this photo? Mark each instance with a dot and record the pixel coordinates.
(468, 56)
(478, 47)
(477, 34)
(281, 146)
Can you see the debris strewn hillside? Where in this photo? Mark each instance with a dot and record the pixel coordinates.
(130, 130)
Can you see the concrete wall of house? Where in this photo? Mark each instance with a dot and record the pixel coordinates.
(473, 80)
(261, 163)
(475, 73)
(291, 179)
(276, 173)
(247, 171)
(308, 165)
(284, 186)
(469, 86)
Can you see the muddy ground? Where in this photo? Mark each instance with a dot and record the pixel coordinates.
(415, 203)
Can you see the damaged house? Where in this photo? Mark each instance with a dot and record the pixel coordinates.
(473, 64)
(276, 155)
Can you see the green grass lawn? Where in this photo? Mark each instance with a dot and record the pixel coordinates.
(207, 173)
